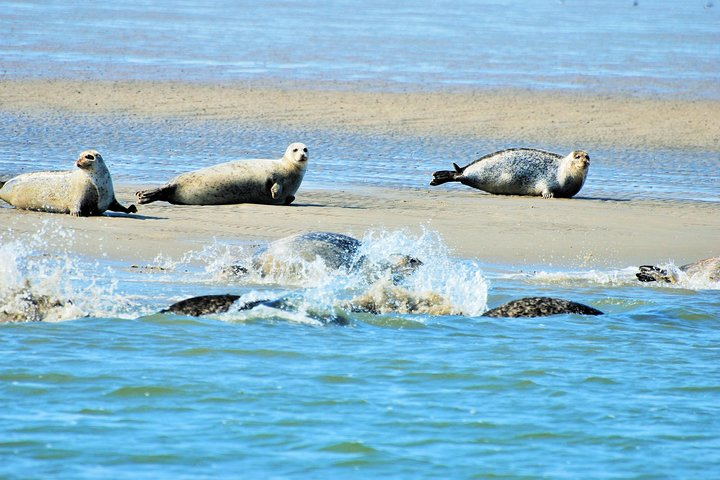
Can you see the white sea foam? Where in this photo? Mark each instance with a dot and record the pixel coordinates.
(620, 277)
(41, 279)
(441, 285)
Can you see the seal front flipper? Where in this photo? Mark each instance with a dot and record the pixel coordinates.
(444, 176)
(154, 195)
(275, 189)
(289, 200)
(116, 207)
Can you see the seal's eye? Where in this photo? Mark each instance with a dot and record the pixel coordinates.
(89, 157)
(295, 150)
(305, 149)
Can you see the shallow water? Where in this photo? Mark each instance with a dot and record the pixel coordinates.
(166, 147)
(657, 46)
(128, 393)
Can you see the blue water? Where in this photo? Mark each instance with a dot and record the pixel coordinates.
(107, 388)
(656, 47)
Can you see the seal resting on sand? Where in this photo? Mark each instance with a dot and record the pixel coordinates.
(540, 307)
(522, 171)
(706, 269)
(82, 192)
(272, 182)
(290, 255)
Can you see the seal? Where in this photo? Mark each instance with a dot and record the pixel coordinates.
(540, 307)
(707, 269)
(522, 171)
(216, 304)
(272, 182)
(291, 255)
(82, 192)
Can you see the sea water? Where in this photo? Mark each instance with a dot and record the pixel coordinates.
(105, 387)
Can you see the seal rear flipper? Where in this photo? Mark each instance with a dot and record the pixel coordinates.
(650, 273)
(116, 207)
(444, 176)
(154, 195)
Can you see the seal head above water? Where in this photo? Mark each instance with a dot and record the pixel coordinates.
(522, 171)
(86, 191)
(272, 182)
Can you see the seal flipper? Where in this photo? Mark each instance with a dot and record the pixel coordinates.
(116, 207)
(444, 176)
(154, 195)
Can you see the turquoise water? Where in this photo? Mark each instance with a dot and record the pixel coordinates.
(128, 393)
(107, 388)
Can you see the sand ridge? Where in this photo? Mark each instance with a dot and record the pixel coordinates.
(580, 120)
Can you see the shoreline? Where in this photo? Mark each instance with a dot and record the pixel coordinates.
(518, 232)
(576, 120)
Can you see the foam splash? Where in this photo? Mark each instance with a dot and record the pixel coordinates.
(622, 277)
(42, 280)
(442, 285)
(682, 280)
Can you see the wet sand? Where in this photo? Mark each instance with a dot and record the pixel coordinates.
(517, 231)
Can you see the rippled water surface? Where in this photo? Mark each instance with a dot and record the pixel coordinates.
(129, 393)
(661, 46)
(166, 147)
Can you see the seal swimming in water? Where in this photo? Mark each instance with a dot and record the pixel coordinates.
(290, 255)
(211, 304)
(82, 192)
(272, 182)
(708, 269)
(522, 171)
(540, 307)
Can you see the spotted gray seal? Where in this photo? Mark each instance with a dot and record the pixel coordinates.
(522, 171)
(216, 304)
(540, 307)
(706, 269)
(273, 182)
(82, 192)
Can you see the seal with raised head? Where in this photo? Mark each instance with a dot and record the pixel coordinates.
(522, 171)
(706, 269)
(540, 307)
(272, 182)
(82, 192)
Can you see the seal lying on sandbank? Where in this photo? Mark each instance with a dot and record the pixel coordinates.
(522, 171)
(272, 182)
(706, 269)
(82, 192)
(540, 307)
(291, 254)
